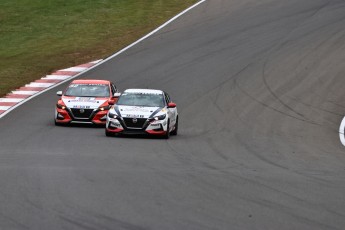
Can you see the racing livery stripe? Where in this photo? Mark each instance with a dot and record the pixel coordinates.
(155, 112)
(22, 94)
(116, 108)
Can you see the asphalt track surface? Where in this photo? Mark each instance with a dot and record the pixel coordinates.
(260, 92)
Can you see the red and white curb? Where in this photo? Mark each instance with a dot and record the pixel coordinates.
(24, 93)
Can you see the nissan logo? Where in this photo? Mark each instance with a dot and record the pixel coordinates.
(135, 120)
(82, 110)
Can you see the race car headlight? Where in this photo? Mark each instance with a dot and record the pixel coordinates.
(105, 108)
(161, 117)
(60, 106)
(113, 115)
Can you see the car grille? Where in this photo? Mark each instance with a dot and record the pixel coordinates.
(77, 113)
(130, 124)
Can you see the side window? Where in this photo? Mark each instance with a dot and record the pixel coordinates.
(167, 98)
(113, 88)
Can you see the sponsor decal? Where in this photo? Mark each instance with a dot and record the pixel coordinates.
(143, 93)
(135, 109)
(81, 107)
(134, 116)
(85, 99)
(117, 125)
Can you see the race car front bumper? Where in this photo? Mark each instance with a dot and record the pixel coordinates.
(119, 125)
(66, 116)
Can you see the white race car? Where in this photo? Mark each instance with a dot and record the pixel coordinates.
(143, 111)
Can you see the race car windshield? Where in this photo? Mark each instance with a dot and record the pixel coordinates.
(87, 90)
(141, 99)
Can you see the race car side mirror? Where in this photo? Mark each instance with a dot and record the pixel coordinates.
(114, 99)
(59, 93)
(111, 102)
(171, 105)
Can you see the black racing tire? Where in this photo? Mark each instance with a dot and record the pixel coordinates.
(57, 123)
(167, 135)
(108, 134)
(174, 132)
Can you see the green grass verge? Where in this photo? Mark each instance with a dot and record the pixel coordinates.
(38, 37)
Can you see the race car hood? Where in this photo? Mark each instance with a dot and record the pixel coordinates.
(136, 111)
(83, 102)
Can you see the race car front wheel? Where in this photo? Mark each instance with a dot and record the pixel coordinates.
(167, 134)
(174, 132)
(108, 134)
(57, 123)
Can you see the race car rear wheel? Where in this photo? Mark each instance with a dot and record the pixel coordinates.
(174, 132)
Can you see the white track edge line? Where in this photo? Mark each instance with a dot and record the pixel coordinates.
(341, 131)
(105, 60)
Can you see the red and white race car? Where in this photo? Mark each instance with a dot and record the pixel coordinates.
(85, 101)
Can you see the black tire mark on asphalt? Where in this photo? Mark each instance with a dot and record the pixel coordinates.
(279, 46)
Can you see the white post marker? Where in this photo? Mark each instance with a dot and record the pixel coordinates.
(341, 131)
